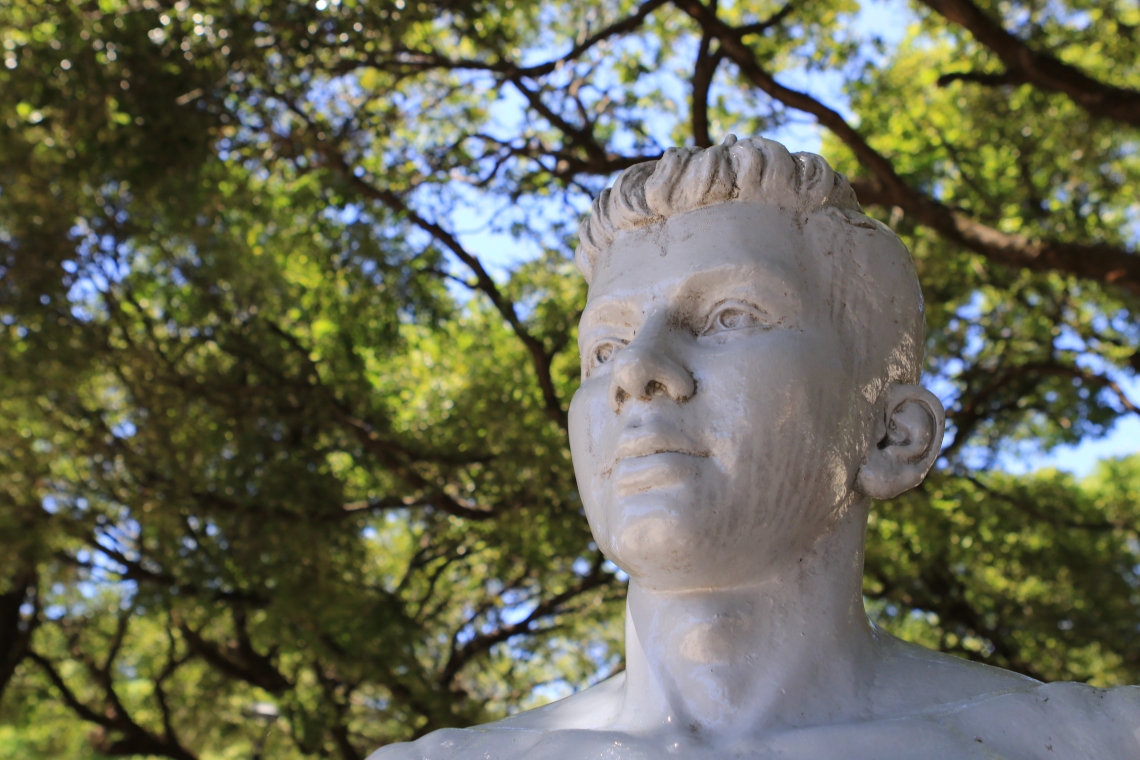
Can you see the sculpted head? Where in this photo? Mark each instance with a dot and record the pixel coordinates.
(750, 347)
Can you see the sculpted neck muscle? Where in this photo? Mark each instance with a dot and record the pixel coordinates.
(790, 650)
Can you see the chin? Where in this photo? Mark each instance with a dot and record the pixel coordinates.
(650, 540)
(669, 540)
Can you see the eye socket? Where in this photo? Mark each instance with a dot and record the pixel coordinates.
(733, 316)
(601, 353)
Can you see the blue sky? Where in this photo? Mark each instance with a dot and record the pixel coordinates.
(1123, 439)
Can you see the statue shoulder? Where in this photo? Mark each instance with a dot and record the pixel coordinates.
(426, 746)
(1006, 714)
(1060, 719)
(461, 744)
(507, 739)
(1108, 709)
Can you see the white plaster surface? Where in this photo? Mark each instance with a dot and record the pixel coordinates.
(748, 386)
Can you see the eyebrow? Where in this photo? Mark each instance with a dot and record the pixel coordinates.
(764, 277)
(611, 309)
(765, 281)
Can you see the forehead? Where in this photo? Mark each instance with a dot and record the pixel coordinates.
(729, 244)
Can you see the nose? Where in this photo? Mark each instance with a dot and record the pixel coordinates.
(645, 368)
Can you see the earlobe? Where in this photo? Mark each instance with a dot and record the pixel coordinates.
(904, 444)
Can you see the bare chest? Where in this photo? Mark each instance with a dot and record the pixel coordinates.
(910, 739)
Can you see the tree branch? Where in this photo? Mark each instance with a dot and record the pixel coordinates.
(582, 136)
(238, 659)
(388, 453)
(338, 696)
(416, 61)
(1096, 261)
(135, 739)
(1037, 515)
(703, 72)
(977, 407)
(484, 641)
(1025, 65)
(66, 694)
(762, 26)
(16, 629)
(540, 357)
(627, 24)
(990, 80)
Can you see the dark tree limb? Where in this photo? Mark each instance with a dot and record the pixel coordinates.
(1037, 515)
(990, 80)
(416, 60)
(775, 19)
(703, 72)
(68, 696)
(626, 25)
(484, 641)
(945, 595)
(1025, 65)
(238, 659)
(387, 452)
(977, 407)
(581, 137)
(16, 629)
(1095, 261)
(133, 738)
(540, 357)
(337, 695)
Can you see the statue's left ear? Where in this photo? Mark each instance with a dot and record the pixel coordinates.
(904, 443)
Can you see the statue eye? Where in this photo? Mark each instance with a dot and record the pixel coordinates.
(733, 316)
(601, 353)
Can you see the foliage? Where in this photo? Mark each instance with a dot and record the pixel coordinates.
(274, 430)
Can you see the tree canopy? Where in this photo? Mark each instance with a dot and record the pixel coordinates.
(283, 461)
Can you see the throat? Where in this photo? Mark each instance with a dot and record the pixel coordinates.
(792, 651)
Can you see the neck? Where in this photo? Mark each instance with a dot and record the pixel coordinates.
(794, 649)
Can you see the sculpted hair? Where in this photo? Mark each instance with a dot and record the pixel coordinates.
(684, 179)
(875, 295)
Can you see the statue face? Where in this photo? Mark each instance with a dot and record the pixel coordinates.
(717, 433)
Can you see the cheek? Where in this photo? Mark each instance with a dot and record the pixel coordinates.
(588, 414)
(586, 418)
(771, 395)
(780, 423)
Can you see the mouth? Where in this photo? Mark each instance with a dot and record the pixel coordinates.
(655, 439)
(652, 449)
(662, 469)
(664, 450)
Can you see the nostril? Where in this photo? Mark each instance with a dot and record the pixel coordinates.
(653, 387)
(620, 396)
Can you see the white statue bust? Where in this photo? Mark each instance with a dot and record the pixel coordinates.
(750, 352)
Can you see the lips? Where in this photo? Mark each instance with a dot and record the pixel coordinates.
(645, 449)
(652, 439)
